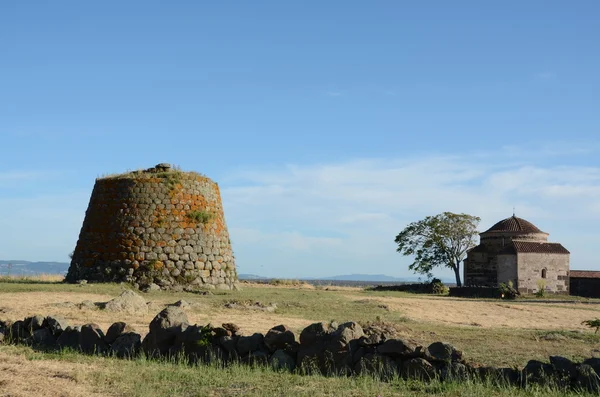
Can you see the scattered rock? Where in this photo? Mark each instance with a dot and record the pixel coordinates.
(417, 368)
(69, 338)
(127, 345)
(398, 348)
(91, 339)
(279, 337)
(164, 329)
(280, 360)
(128, 302)
(116, 330)
(182, 304)
(87, 304)
(56, 324)
(247, 344)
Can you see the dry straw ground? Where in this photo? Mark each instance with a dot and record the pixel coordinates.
(502, 333)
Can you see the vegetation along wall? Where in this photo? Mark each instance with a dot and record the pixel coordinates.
(157, 227)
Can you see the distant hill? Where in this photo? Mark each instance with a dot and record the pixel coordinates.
(250, 277)
(20, 267)
(370, 277)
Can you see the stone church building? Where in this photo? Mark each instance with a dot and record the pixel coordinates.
(516, 250)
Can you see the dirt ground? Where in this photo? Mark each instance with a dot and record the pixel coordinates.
(501, 314)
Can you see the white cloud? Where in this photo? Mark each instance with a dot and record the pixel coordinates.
(365, 203)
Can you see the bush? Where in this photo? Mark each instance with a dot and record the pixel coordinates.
(541, 292)
(507, 291)
(437, 287)
(592, 324)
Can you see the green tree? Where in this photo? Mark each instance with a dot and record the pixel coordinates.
(440, 240)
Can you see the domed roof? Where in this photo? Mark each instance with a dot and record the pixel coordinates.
(514, 224)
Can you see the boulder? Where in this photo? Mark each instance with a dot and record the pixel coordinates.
(383, 367)
(56, 324)
(594, 363)
(128, 302)
(116, 330)
(182, 304)
(248, 344)
(18, 332)
(164, 329)
(229, 344)
(91, 339)
(33, 323)
(417, 368)
(442, 352)
(69, 338)
(316, 331)
(564, 368)
(43, 337)
(347, 332)
(279, 337)
(587, 378)
(281, 360)
(234, 329)
(398, 348)
(537, 372)
(454, 371)
(126, 345)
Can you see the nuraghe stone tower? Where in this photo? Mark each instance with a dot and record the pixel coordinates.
(158, 226)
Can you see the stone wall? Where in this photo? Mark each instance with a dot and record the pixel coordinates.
(480, 269)
(322, 348)
(530, 272)
(507, 269)
(155, 227)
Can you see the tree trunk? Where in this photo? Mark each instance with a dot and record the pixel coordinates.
(457, 274)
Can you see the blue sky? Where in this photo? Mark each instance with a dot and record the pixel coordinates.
(329, 125)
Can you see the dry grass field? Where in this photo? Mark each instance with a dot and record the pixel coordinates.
(501, 333)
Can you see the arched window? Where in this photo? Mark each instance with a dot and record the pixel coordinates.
(544, 273)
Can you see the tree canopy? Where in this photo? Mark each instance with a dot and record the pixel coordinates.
(440, 240)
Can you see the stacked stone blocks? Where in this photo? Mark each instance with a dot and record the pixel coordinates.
(158, 226)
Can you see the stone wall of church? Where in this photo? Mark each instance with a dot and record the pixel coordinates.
(531, 266)
(507, 269)
(480, 269)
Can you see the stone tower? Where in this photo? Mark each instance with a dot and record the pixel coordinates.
(157, 226)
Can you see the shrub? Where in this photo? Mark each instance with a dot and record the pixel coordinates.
(437, 287)
(200, 216)
(541, 292)
(592, 324)
(507, 291)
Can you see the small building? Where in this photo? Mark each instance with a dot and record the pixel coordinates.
(585, 283)
(515, 250)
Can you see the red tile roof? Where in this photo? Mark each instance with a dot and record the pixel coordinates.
(514, 224)
(584, 274)
(527, 247)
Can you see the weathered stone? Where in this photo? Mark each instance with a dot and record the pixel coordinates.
(182, 304)
(18, 332)
(43, 337)
(128, 302)
(537, 372)
(454, 371)
(442, 352)
(281, 360)
(587, 378)
(417, 368)
(564, 368)
(234, 329)
(116, 330)
(313, 332)
(371, 364)
(397, 348)
(33, 323)
(247, 344)
(279, 337)
(164, 329)
(69, 338)
(56, 324)
(91, 339)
